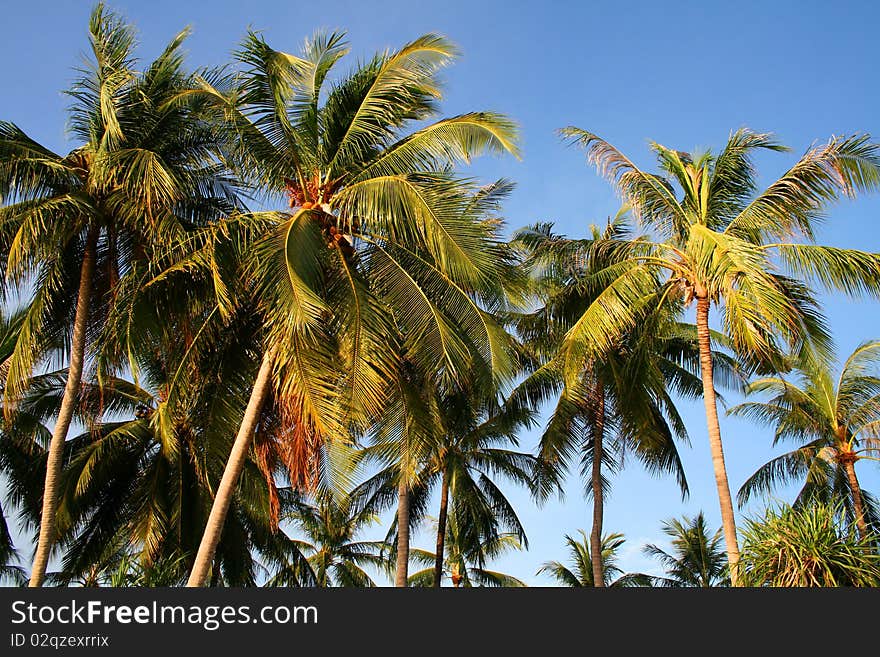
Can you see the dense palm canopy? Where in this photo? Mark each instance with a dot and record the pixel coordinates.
(696, 558)
(10, 571)
(836, 421)
(621, 401)
(624, 392)
(713, 238)
(10, 324)
(459, 439)
(385, 249)
(73, 225)
(270, 306)
(380, 227)
(136, 484)
(469, 455)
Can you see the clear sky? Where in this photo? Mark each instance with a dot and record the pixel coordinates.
(681, 73)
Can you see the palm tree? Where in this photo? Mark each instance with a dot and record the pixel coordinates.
(836, 420)
(334, 555)
(380, 230)
(431, 426)
(456, 438)
(402, 440)
(465, 559)
(135, 489)
(579, 572)
(470, 452)
(714, 240)
(808, 546)
(620, 400)
(73, 225)
(697, 558)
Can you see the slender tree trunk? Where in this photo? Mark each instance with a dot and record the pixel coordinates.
(596, 483)
(65, 414)
(400, 579)
(229, 481)
(858, 505)
(728, 520)
(441, 529)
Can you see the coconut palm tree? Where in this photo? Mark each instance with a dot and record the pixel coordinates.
(808, 546)
(713, 239)
(402, 441)
(334, 555)
(466, 557)
(579, 571)
(697, 558)
(836, 420)
(456, 438)
(383, 244)
(135, 490)
(621, 399)
(471, 452)
(73, 224)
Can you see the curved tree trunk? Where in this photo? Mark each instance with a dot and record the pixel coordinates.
(229, 481)
(849, 465)
(65, 414)
(596, 483)
(400, 578)
(441, 529)
(728, 521)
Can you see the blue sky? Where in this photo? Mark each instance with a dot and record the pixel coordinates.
(684, 74)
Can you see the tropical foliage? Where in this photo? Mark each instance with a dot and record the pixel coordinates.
(385, 248)
(333, 555)
(259, 323)
(621, 402)
(808, 546)
(579, 570)
(465, 559)
(712, 238)
(696, 558)
(836, 420)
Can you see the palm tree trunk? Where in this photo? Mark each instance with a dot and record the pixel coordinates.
(596, 483)
(65, 414)
(728, 521)
(400, 579)
(229, 481)
(441, 529)
(849, 465)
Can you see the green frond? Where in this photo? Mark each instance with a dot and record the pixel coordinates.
(846, 270)
(448, 141)
(791, 205)
(650, 197)
(399, 79)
